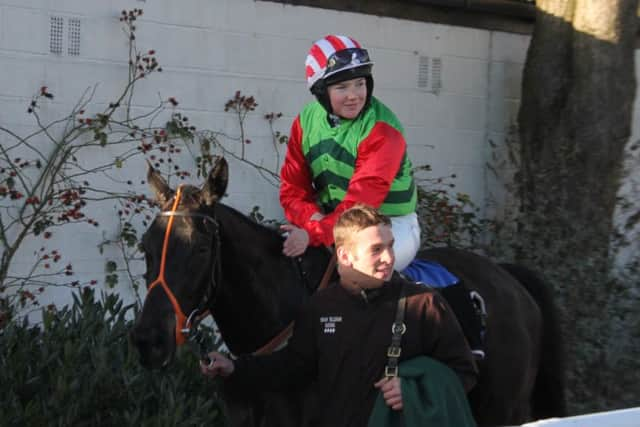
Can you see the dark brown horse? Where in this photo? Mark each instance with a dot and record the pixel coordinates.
(202, 254)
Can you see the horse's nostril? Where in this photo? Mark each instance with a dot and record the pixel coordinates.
(154, 348)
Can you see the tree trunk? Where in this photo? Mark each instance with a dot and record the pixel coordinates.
(574, 123)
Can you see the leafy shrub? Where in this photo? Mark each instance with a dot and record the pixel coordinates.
(446, 218)
(78, 369)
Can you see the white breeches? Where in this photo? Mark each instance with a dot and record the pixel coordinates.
(406, 233)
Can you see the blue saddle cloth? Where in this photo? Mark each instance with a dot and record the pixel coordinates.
(430, 273)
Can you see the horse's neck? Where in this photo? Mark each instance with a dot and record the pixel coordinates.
(261, 289)
(246, 243)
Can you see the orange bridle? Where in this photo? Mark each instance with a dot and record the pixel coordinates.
(181, 319)
(185, 324)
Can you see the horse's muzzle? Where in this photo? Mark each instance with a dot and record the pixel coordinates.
(155, 348)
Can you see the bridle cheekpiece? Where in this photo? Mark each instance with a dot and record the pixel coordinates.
(184, 324)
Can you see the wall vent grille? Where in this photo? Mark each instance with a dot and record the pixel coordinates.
(56, 30)
(73, 45)
(64, 35)
(436, 75)
(430, 74)
(423, 72)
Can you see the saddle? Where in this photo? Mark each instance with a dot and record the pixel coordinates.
(467, 305)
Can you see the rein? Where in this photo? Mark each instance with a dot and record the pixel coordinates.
(183, 324)
(277, 341)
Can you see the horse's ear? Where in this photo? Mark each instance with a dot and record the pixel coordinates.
(217, 180)
(158, 185)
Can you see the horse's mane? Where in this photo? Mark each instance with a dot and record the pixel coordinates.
(265, 231)
(191, 200)
(270, 237)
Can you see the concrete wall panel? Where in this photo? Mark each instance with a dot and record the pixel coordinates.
(209, 49)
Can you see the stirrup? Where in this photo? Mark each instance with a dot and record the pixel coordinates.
(478, 354)
(481, 311)
(478, 303)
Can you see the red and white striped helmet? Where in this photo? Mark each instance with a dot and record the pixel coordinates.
(333, 54)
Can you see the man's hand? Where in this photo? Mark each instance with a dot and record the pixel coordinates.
(297, 241)
(219, 365)
(391, 391)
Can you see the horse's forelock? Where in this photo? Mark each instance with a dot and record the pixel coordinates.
(189, 199)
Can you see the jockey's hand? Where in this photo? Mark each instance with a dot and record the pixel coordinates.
(317, 216)
(391, 391)
(218, 365)
(296, 242)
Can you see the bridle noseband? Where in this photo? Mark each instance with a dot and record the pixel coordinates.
(185, 324)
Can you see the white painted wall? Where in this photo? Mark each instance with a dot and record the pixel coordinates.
(211, 48)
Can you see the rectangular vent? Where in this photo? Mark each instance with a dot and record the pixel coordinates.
(430, 74)
(436, 75)
(56, 29)
(423, 72)
(64, 35)
(73, 46)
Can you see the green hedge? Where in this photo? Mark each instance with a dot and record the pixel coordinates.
(78, 368)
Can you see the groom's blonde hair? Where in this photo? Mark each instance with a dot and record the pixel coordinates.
(355, 219)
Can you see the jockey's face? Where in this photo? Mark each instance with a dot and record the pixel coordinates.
(348, 97)
(370, 251)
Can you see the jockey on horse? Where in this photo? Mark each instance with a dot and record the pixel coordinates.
(347, 147)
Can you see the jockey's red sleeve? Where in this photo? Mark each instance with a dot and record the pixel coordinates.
(297, 195)
(379, 157)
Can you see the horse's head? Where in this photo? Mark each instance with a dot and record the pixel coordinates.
(182, 258)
